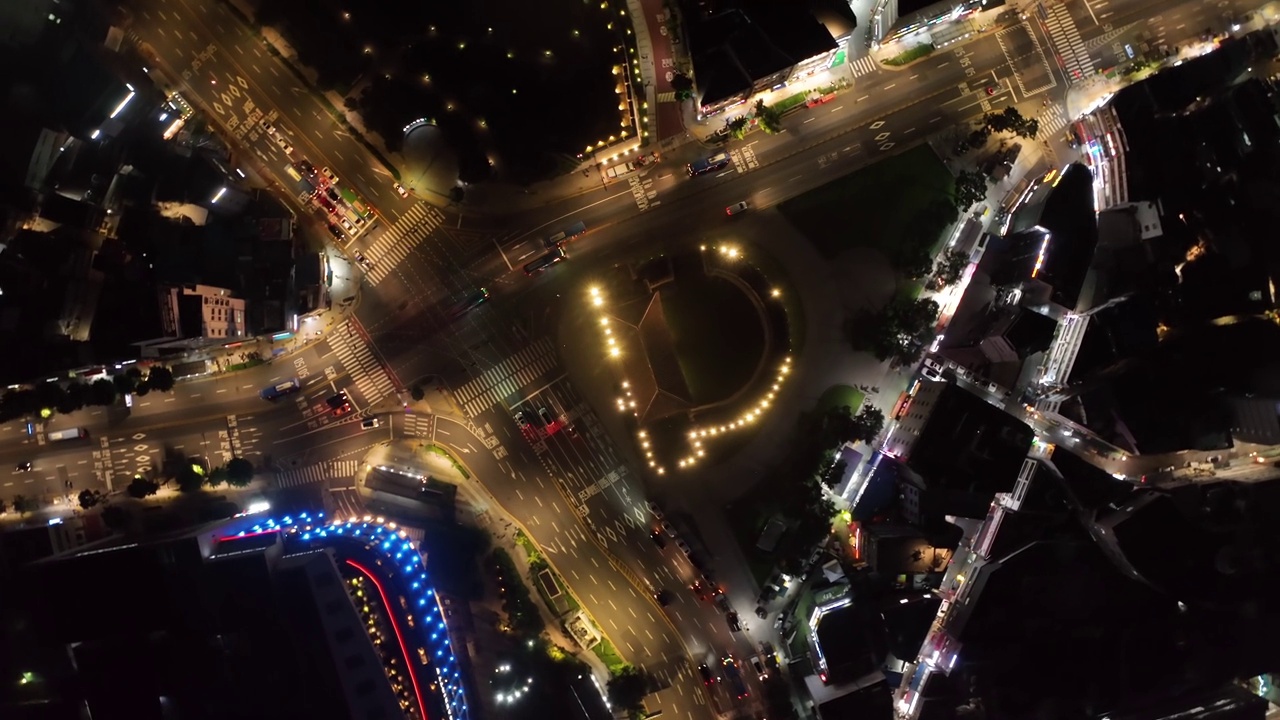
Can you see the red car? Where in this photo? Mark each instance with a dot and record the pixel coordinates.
(324, 203)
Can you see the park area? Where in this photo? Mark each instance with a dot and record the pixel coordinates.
(549, 89)
(717, 333)
(873, 207)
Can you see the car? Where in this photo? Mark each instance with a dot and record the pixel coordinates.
(267, 127)
(734, 624)
(663, 597)
(758, 665)
(571, 431)
(343, 410)
(684, 547)
(1213, 459)
(667, 528)
(470, 302)
(370, 423)
(722, 602)
(541, 263)
(705, 673)
(333, 195)
(991, 90)
(547, 417)
(329, 176)
(400, 190)
(306, 168)
(24, 467)
(323, 202)
(338, 401)
(335, 231)
(521, 419)
(283, 144)
(992, 387)
(360, 258)
(701, 590)
(736, 208)
(655, 509)
(347, 226)
(658, 539)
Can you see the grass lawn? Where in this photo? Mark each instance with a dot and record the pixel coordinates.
(838, 396)
(609, 655)
(717, 333)
(911, 55)
(870, 207)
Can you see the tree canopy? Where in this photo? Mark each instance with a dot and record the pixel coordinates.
(627, 689)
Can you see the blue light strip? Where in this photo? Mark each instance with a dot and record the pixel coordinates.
(404, 564)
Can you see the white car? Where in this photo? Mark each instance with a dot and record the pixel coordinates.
(347, 226)
(370, 423)
(736, 208)
(284, 144)
(267, 127)
(400, 189)
(328, 175)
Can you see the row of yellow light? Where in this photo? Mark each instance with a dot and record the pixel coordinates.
(696, 435)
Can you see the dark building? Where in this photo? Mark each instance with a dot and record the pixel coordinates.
(956, 450)
(190, 626)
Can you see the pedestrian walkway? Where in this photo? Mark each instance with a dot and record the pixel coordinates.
(329, 470)
(506, 377)
(1052, 119)
(419, 425)
(863, 66)
(400, 239)
(370, 378)
(1066, 40)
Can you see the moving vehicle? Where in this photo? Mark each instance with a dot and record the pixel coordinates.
(284, 144)
(668, 528)
(24, 467)
(656, 537)
(469, 303)
(400, 189)
(339, 404)
(564, 235)
(654, 508)
(306, 168)
(734, 676)
(370, 423)
(736, 208)
(547, 417)
(719, 161)
(68, 434)
(291, 385)
(705, 673)
(328, 175)
(336, 231)
(547, 260)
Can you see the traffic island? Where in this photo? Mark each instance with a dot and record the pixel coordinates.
(414, 477)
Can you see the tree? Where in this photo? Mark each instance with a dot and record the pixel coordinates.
(737, 127)
(1028, 130)
(4, 507)
(102, 392)
(239, 472)
(115, 517)
(868, 423)
(978, 137)
(417, 393)
(680, 81)
(627, 689)
(218, 476)
(777, 698)
(901, 329)
(950, 267)
(160, 378)
(769, 118)
(22, 505)
(89, 498)
(142, 487)
(912, 258)
(189, 478)
(125, 382)
(970, 188)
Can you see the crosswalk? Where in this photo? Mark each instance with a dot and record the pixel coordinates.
(506, 378)
(371, 379)
(862, 66)
(1066, 39)
(1052, 119)
(329, 470)
(419, 425)
(400, 239)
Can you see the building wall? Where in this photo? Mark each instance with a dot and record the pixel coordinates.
(907, 430)
(221, 316)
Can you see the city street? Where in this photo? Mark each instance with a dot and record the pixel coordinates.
(577, 493)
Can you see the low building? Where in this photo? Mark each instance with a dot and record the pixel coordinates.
(196, 316)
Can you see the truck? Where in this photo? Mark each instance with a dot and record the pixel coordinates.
(68, 434)
(351, 199)
(291, 385)
(734, 676)
(719, 161)
(301, 184)
(564, 235)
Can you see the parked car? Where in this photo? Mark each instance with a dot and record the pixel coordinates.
(684, 547)
(736, 208)
(758, 666)
(734, 624)
(667, 528)
(283, 144)
(335, 231)
(306, 168)
(328, 175)
(655, 508)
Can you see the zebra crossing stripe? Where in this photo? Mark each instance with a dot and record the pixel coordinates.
(401, 238)
(333, 470)
(495, 374)
(862, 66)
(370, 379)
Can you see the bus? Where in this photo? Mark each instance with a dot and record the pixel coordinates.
(68, 434)
(719, 161)
(352, 200)
(568, 233)
(278, 391)
(734, 675)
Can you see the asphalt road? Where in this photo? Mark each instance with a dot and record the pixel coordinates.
(566, 490)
